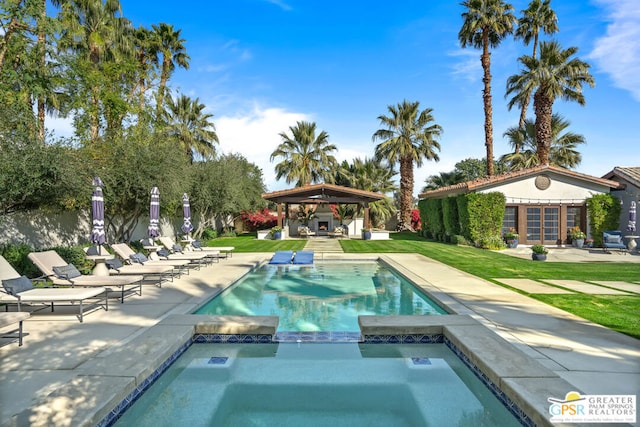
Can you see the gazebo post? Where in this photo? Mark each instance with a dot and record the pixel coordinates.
(366, 216)
(279, 215)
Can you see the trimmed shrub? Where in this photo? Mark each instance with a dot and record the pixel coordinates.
(16, 255)
(463, 215)
(209, 234)
(459, 240)
(486, 213)
(450, 220)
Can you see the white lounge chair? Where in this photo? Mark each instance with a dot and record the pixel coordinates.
(61, 273)
(174, 250)
(150, 273)
(132, 257)
(8, 322)
(196, 246)
(19, 290)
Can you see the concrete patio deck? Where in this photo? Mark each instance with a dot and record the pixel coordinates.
(44, 382)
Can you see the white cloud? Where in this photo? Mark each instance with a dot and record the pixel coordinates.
(618, 52)
(255, 135)
(282, 5)
(468, 64)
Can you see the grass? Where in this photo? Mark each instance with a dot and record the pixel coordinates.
(619, 313)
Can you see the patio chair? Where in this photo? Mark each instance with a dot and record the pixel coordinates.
(613, 240)
(60, 273)
(20, 290)
(131, 257)
(196, 246)
(8, 322)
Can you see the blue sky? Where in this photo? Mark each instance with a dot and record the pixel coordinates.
(261, 65)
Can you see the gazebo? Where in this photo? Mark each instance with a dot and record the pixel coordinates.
(322, 194)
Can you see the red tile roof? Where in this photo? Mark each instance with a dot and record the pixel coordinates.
(323, 193)
(480, 183)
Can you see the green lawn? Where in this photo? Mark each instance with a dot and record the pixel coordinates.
(620, 313)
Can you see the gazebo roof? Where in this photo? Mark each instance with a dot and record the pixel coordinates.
(322, 193)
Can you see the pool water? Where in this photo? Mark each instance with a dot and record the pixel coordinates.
(318, 384)
(322, 297)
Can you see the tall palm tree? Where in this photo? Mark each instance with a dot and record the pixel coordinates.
(554, 75)
(174, 53)
(408, 136)
(96, 32)
(563, 151)
(486, 24)
(191, 127)
(306, 158)
(538, 16)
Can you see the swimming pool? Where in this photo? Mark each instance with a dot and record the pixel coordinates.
(322, 297)
(314, 384)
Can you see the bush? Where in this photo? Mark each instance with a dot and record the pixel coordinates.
(209, 234)
(458, 239)
(486, 213)
(260, 220)
(75, 255)
(228, 232)
(604, 214)
(490, 242)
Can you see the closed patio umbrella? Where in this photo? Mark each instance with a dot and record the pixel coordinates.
(97, 236)
(153, 230)
(187, 227)
(632, 217)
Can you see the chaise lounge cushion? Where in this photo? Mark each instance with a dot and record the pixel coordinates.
(139, 258)
(68, 271)
(16, 285)
(114, 263)
(612, 239)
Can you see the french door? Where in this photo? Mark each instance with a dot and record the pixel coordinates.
(543, 224)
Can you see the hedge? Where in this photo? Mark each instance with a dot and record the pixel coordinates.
(604, 214)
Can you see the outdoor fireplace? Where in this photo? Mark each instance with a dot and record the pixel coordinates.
(323, 225)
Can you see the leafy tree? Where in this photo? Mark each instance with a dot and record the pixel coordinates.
(224, 188)
(190, 127)
(552, 76)
(538, 16)
(168, 42)
(306, 158)
(408, 136)
(486, 24)
(129, 167)
(563, 151)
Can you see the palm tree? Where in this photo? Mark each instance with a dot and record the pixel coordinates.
(552, 76)
(306, 158)
(563, 151)
(444, 179)
(486, 23)
(190, 126)
(408, 136)
(96, 32)
(538, 16)
(371, 175)
(171, 46)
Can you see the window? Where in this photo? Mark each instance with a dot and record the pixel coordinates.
(574, 217)
(533, 224)
(551, 223)
(510, 219)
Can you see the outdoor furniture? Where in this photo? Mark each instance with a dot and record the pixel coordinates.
(303, 257)
(196, 246)
(281, 257)
(613, 240)
(20, 290)
(306, 232)
(174, 251)
(162, 272)
(337, 232)
(56, 269)
(9, 320)
(129, 256)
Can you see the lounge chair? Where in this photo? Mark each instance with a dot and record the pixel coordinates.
(173, 250)
(8, 322)
(131, 257)
(150, 272)
(196, 246)
(282, 257)
(20, 290)
(58, 271)
(303, 257)
(613, 240)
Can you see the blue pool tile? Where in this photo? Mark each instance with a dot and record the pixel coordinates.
(421, 361)
(217, 360)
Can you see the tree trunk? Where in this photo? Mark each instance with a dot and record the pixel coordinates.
(525, 104)
(485, 59)
(42, 40)
(406, 192)
(543, 107)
